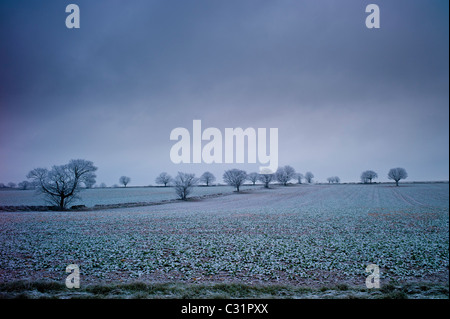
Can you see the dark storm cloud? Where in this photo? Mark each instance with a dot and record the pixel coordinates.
(343, 97)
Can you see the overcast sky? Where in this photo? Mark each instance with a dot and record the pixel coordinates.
(344, 98)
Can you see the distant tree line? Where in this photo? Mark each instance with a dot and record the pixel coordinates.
(395, 174)
(62, 184)
(184, 182)
(22, 185)
(333, 179)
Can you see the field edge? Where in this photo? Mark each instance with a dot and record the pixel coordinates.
(46, 289)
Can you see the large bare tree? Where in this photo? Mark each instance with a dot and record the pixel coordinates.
(62, 183)
(184, 184)
(397, 174)
(235, 177)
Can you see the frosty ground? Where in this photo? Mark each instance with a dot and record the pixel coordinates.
(301, 236)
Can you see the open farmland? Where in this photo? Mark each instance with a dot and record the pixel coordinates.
(302, 235)
(110, 196)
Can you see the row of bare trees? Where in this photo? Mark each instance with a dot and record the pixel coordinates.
(283, 175)
(395, 174)
(24, 185)
(333, 179)
(184, 182)
(62, 183)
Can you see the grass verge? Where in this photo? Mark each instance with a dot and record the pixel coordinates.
(142, 290)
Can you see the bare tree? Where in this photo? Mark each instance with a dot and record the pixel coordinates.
(12, 185)
(89, 182)
(308, 177)
(184, 184)
(253, 177)
(61, 184)
(207, 178)
(299, 177)
(266, 179)
(102, 185)
(285, 174)
(124, 180)
(368, 176)
(25, 185)
(333, 179)
(235, 177)
(163, 178)
(397, 174)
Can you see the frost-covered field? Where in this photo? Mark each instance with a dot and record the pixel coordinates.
(304, 234)
(107, 196)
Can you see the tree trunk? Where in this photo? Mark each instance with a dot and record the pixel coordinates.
(61, 202)
(396, 183)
